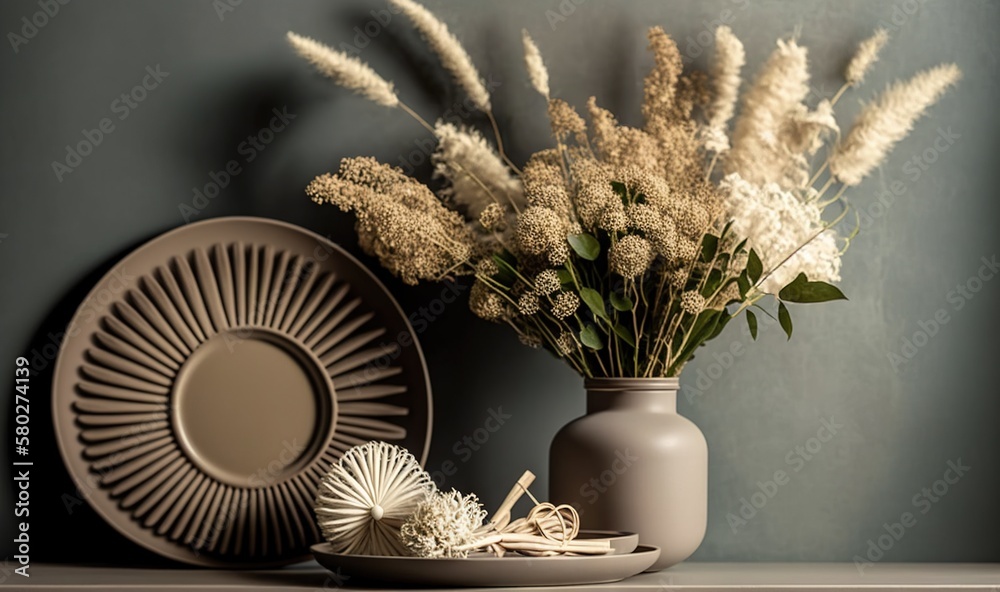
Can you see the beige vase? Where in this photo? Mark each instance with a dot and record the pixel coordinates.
(632, 463)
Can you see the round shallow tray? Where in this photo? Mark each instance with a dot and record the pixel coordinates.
(487, 570)
(210, 379)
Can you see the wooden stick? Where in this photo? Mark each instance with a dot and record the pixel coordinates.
(501, 517)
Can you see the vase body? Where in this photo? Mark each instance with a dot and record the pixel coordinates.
(632, 463)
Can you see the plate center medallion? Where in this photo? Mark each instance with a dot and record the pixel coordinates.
(252, 407)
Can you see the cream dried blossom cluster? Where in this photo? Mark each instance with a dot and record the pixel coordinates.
(398, 219)
(623, 248)
(779, 223)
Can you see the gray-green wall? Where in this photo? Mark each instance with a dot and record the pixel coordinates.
(901, 425)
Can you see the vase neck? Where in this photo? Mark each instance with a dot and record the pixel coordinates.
(653, 395)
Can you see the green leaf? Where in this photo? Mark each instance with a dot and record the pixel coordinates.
(754, 267)
(590, 338)
(626, 335)
(804, 291)
(752, 323)
(595, 302)
(720, 325)
(725, 230)
(585, 245)
(784, 319)
(565, 277)
(722, 261)
(507, 264)
(621, 303)
(739, 247)
(712, 283)
(744, 284)
(703, 329)
(709, 246)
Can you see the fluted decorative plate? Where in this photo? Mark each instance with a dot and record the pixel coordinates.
(211, 378)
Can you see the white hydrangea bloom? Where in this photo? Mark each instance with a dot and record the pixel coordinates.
(775, 222)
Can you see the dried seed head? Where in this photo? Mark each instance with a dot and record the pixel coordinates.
(539, 229)
(644, 218)
(866, 55)
(558, 254)
(692, 302)
(492, 216)
(613, 218)
(487, 267)
(592, 198)
(565, 343)
(537, 72)
(684, 251)
(565, 304)
(484, 302)
(630, 256)
(527, 304)
(532, 340)
(547, 282)
(678, 278)
(564, 118)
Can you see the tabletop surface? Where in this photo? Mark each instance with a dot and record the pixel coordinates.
(701, 577)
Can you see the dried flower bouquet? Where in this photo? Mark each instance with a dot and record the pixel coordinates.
(624, 249)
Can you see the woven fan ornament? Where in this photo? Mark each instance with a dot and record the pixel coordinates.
(366, 497)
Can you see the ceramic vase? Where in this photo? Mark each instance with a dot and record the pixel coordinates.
(632, 463)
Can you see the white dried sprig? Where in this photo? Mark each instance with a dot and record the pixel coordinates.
(345, 70)
(887, 121)
(448, 48)
(866, 55)
(537, 72)
(477, 175)
(443, 525)
(777, 91)
(729, 60)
